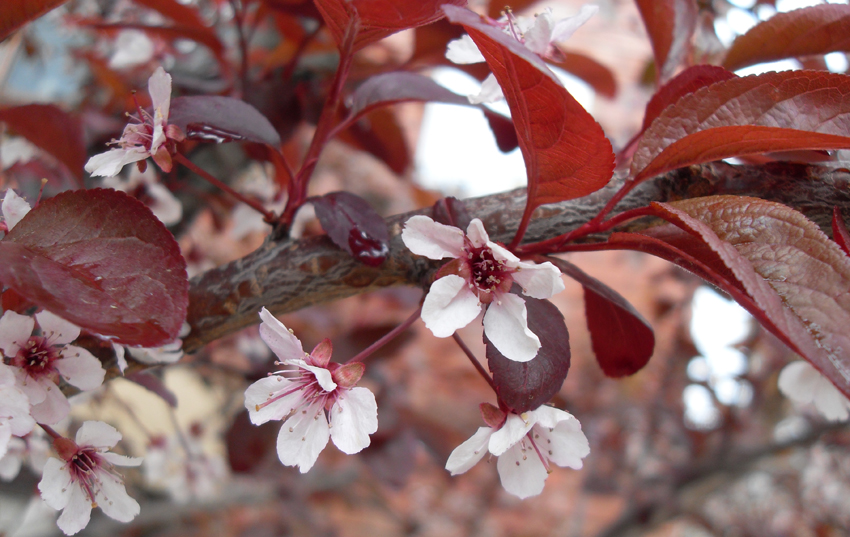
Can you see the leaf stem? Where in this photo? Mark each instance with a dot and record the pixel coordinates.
(254, 204)
(389, 336)
(478, 367)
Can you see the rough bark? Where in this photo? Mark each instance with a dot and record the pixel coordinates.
(289, 275)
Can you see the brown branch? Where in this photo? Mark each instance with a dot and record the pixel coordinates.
(290, 275)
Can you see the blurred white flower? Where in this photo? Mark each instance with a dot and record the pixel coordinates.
(803, 384)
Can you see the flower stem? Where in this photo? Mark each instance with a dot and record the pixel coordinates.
(389, 336)
(475, 362)
(254, 204)
(50, 432)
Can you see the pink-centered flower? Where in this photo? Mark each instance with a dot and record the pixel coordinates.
(480, 275)
(803, 384)
(40, 360)
(525, 445)
(83, 477)
(150, 136)
(538, 34)
(15, 419)
(317, 389)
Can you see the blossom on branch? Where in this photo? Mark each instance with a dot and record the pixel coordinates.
(480, 275)
(305, 394)
(15, 419)
(151, 136)
(39, 361)
(802, 383)
(525, 444)
(538, 34)
(84, 478)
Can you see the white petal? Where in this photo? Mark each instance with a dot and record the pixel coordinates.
(539, 280)
(565, 28)
(281, 341)
(799, 381)
(120, 357)
(514, 430)
(434, 240)
(522, 472)
(463, 51)
(113, 500)
(76, 514)
(15, 410)
(159, 87)
(5, 437)
(501, 253)
(476, 233)
(7, 375)
(264, 389)
(80, 368)
(467, 455)
(15, 330)
(54, 408)
(303, 437)
(491, 92)
(35, 390)
(14, 208)
(506, 326)
(537, 38)
(56, 329)
(830, 402)
(323, 376)
(165, 206)
(55, 484)
(132, 47)
(10, 463)
(110, 163)
(121, 460)
(449, 306)
(549, 416)
(565, 445)
(354, 417)
(97, 434)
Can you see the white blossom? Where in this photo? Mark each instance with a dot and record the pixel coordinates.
(15, 419)
(803, 384)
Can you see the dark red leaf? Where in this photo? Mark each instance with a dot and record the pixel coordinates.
(523, 386)
(565, 151)
(389, 88)
(380, 134)
(379, 18)
(811, 30)
(248, 445)
(51, 129)
(503, 130)
(154, 384)
(218, 119)
(16, 13)
(100, 259)
(776, 111)
(599, 77)
(451, 212)
(621, 338)
(670, 25)
(353, 225)
(688, 81)
(839, 231)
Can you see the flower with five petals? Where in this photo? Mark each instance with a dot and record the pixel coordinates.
(304, 395)
(480, 275)
(525, 445)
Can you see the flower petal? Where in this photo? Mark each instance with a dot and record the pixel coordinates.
(260, 392)
(54, 408)
(476, 233)
(565, 445)
(15, 330)
(830, 402)
(565, 28)
(15, 410)
(323, 377)
(80, 368)
(55, 484)
(279, 339)
(467, 455)
(57, 330)
(14, 208)
(110, 163)
(506, 326)
(522, 472)
(97, 434)
(354, 417)
(449, 306)
(434, 240)
(113, 500)
(303, 437)
(77, 513)
(539, 280)
(514, 430)
(159, 87)
(490, 92)
(463, 51)
(799, 381)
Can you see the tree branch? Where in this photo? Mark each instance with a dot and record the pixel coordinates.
(289, 275)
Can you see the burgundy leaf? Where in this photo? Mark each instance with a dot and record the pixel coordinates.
(248, 445)
(379, 18)
(154, 384)
(397, 87)
(503, 130)
(565, 151)
(670, 25)
(451, 212)
(621, 338)
(16, 13)
(598, 76)
(353, 225)
(839, 231)
(51, 129)
(776, 111)
(100, 259)
(380, 134)
(221, 119)
(811, 30)
(688, 81)
(523, 386)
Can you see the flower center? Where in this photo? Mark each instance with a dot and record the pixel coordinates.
(487, 271)
(83, 467)
(36, 357)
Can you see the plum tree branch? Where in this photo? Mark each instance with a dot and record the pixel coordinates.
(289, 275)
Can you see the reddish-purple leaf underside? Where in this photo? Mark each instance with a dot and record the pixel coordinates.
(219, 119)
(388, 88)
(776, 111)
(353, 225)
(670, 25)
(523, 386)
(379, 18)
(16, 13)
(622, 340)
(565, 151)
(52, 129)
(803, 32)
(688, 81)
(100, 259)
(839, 231)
